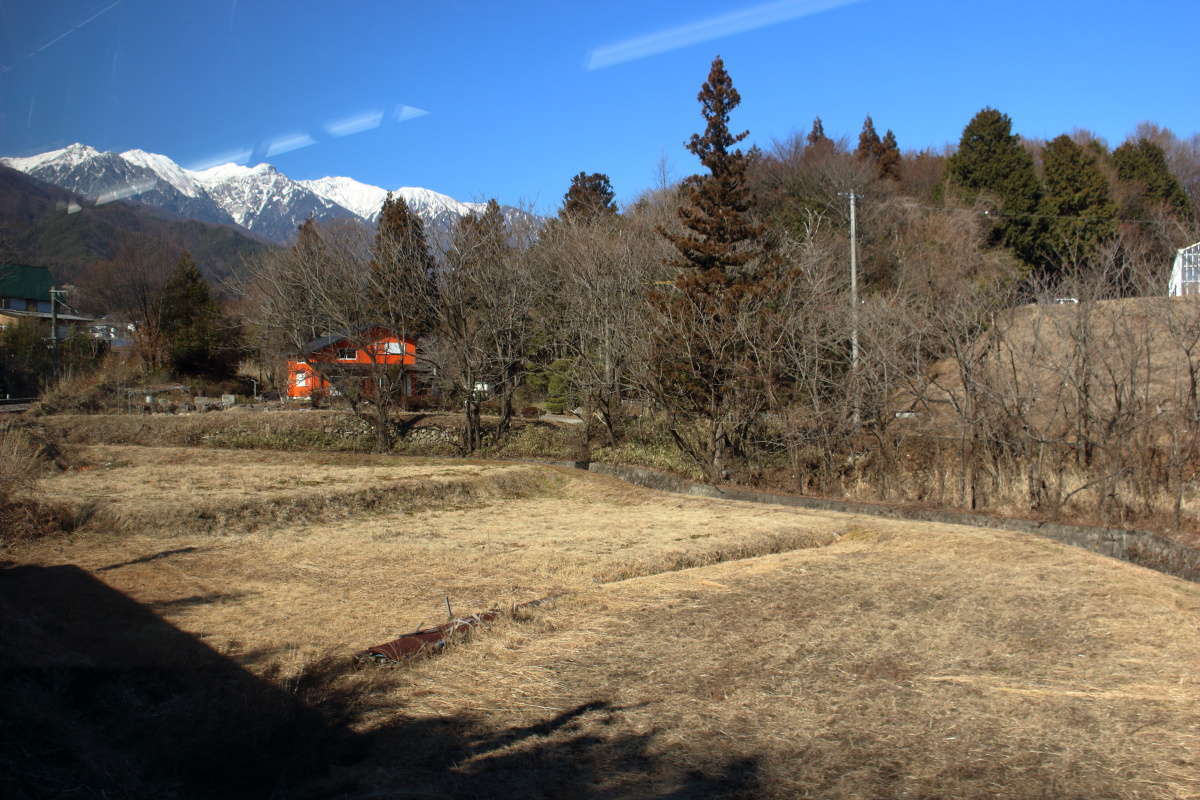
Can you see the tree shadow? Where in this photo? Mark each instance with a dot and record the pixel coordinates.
(403, 427)
(195, 600)
(99, 697)
(153, 557)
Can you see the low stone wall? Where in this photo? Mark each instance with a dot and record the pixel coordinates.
(1143, 548)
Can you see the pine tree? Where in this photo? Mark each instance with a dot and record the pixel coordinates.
(816, 136)
(401, 271)
(589, 197)
(201, 340)
(889, 157)
(1079, 213)
(869, 144)
(721, 238)
(704, 369)
(991, 160)
(1144, 164)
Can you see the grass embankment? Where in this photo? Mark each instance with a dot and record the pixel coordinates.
(698, 648)
(419, 434)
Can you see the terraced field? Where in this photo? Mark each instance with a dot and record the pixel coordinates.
(694, 647)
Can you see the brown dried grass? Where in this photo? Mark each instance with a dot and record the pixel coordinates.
(171, 490)
(882, 659)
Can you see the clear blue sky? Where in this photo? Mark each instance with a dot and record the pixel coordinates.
(514, 109)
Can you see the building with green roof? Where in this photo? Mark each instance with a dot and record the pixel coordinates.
(25, 293)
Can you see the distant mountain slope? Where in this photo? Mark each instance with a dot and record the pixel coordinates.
(266, 201)
(260, 199)
(46, 225)
(105, 177)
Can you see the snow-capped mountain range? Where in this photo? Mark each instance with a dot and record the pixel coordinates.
(260, 198)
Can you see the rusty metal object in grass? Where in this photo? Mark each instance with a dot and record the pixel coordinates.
(431, 641)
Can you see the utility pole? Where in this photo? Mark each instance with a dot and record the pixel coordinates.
(853, 285)
(854, 300)
(54, 300)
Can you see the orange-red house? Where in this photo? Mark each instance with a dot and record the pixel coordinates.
(371, 348)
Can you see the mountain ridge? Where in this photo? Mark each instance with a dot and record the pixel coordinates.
(260, 198)
(44, 224)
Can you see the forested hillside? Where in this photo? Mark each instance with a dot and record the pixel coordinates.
(47, 226)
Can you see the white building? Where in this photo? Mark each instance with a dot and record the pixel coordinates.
(1185, 274)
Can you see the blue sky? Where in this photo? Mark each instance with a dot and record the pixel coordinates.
(513, 108)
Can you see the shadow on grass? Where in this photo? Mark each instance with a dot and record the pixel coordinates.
(99, 697)
(153, 557)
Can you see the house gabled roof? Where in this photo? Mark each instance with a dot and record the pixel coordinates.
(63, 316)
(321, 342)
(25, 282)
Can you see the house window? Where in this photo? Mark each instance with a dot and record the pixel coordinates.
(347, 354)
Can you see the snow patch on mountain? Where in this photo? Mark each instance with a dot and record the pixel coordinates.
(166, 169)
(69, 156)
(226, 172)
(366, 200)
(427, 201)
(363, 199)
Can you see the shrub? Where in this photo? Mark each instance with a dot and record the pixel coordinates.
(22, 460)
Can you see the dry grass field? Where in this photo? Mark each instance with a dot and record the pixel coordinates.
(695, 647)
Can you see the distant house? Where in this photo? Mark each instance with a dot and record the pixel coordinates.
(359, 354)
(117, 333)
(1185, 273)
(25, 294)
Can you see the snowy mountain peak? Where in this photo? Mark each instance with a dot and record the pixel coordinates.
(361, 198)
(166, 169)
(429, 201)
(259, 198)
(69, 156)
(225, 172)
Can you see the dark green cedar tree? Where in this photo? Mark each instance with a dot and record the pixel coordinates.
(1078, 211)
(1144, 164)
(202, 341)
(990, 160)
(401, 271)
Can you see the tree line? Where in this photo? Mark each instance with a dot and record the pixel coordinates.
(715, 313)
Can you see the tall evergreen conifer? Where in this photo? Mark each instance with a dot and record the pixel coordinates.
(721, 240)
(203, 342)
(990, 159)
(869, 143)
(705, 371)
(1144, 164)
(589, 197)
(817, 136)
(889, 157)
(1076, 205)
(401, 271)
